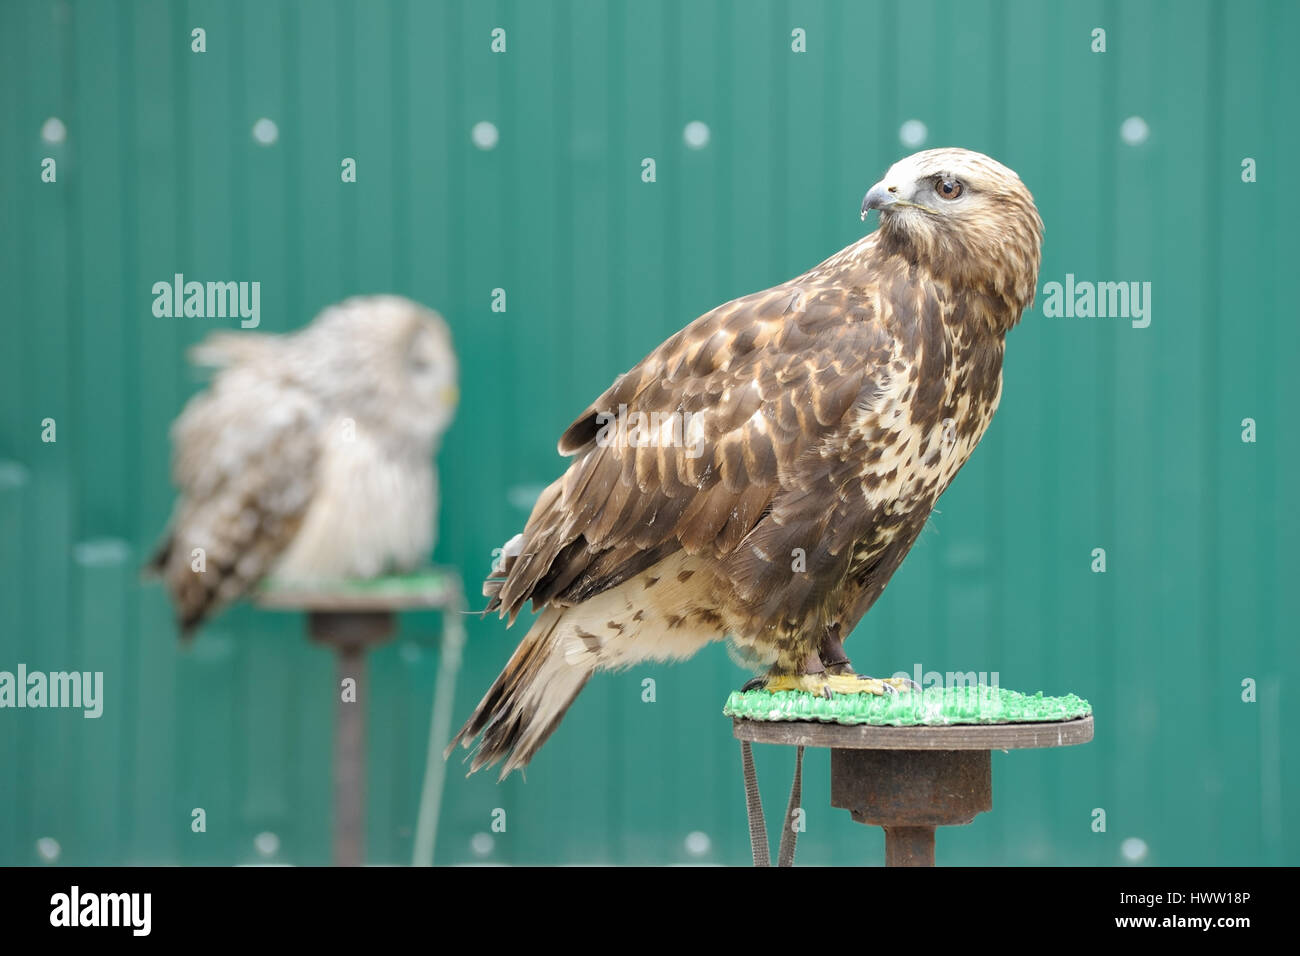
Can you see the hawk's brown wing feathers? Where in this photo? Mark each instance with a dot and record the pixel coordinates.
(763, 395)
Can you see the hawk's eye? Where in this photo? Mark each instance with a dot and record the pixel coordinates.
(947, 188)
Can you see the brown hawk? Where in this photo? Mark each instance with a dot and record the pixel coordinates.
(761, 475)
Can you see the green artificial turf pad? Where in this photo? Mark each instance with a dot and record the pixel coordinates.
(932, 707)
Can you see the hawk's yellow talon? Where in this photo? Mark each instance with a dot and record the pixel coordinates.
(820, 684)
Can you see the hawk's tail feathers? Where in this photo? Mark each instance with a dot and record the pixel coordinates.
(526, 703)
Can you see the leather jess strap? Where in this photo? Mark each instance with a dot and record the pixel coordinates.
(754, 810)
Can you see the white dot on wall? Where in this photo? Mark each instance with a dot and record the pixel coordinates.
(1134, 131)
(484, 135)
(48, 849)
(524, 496)
(101, 552)
(696, 134)
(53, 130)
(698, 843)
(481, 844)
(912, 133)
(265, 131)
(1134, 849)
(266, 843)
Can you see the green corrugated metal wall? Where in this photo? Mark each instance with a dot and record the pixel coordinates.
(1108, 436)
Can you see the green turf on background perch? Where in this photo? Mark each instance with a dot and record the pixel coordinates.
(422, 589)
(417, 582)
(933, 707)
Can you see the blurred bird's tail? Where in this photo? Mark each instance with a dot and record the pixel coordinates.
(527, 702)
(189, 593)
(222, 349)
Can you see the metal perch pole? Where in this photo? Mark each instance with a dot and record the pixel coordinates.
(351, 634)
(351, 617)
(435, 768)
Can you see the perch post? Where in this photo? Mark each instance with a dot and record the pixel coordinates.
(351, 617)
(910, 780)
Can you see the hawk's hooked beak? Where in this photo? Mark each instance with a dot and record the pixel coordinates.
(879, 196)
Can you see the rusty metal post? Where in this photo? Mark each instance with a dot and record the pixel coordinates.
(910, 792)
(350, 634)
(909, 846)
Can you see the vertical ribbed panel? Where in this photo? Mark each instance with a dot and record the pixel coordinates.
(1108, 436)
